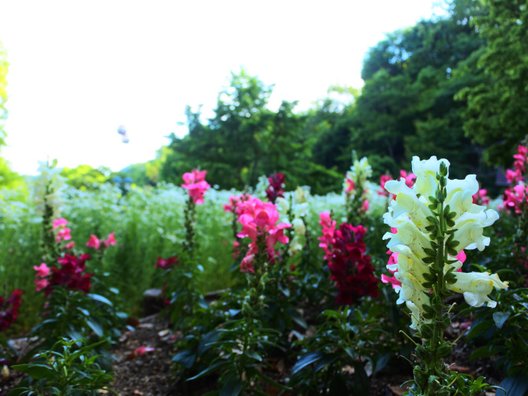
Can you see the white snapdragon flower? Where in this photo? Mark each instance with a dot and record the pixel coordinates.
(298, 211)
(476, 286)
(408, 215)
(359, 172)
(301, 194)
(260, 188)
(298, 240)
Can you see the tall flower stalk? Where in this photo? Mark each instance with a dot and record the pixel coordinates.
(355, 188)
(432, 223)
(185, 296)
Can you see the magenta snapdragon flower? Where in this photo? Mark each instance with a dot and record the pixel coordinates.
(195, 184)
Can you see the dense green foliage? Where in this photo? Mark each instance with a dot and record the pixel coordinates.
(430, 89)
(496, 106)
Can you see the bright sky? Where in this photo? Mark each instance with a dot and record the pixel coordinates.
(79, 69)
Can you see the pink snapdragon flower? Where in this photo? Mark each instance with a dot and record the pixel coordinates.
(58, 223)
(521, 157)
(365, 205)
(41, 284)
(516, 196)
(166, 263)
(409, 177)
(260, 219)
(195, 184)
(42, 270)
(514, 176)
(64, 234)
(110, 240)
(41, 276)
(234, 201)
(392, 266)
(481, 197)
(93, 242)
(384, 179)
(350, 186)
(69, 245)
(326, 240)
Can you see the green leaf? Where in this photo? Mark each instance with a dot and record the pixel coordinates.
(297, 318)
(305, 361)
(254, 355)
(185, 358)
(210, 369)
(478, 329)
(36, 371)
(96, 327)
(99, 298)
(232, 387)
(513, 386)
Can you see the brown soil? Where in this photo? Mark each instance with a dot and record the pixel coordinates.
(146, 374)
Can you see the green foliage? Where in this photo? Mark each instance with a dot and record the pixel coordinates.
(496, 105)
(84, 177)
(407, 106)
(76, 315)
(245, 140)
(335, 359)
(67, 369)
(499, 334)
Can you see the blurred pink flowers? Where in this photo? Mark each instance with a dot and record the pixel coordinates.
(166, 263)
(9, 309)
(195, 184)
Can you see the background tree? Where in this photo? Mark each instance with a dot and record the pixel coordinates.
(496, 107)
(85, 177)
(8, 178)
(407, 106)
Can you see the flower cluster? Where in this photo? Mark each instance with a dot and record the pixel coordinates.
(195, 184)
(516, 195)
(71, 274)
(411, 217)
(345, 253)
(276, 186)
(95, 243)
(260, 223)
(9, 309)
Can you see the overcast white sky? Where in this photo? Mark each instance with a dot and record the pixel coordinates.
(79, 69)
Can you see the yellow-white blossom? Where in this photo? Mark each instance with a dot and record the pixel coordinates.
(408, 214)
(359, 172)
